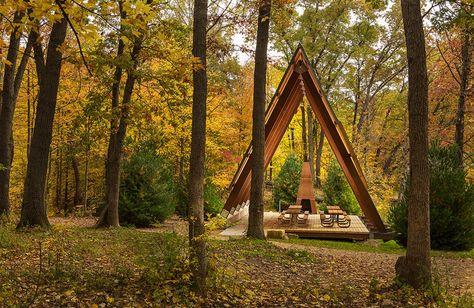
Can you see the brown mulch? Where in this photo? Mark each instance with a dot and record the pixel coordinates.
(347, 267)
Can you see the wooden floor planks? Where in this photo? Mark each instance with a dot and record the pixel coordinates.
(357, 228)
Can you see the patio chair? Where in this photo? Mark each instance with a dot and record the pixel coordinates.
(304, 219)
(325, 220)
(283, 219)
(346, 222)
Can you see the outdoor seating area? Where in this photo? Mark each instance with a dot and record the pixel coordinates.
(293, 215)
(336, 215)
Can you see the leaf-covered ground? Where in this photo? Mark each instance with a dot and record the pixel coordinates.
(78, 266)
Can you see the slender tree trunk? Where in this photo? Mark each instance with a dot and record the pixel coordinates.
(198, 153)
(29, 118)
(303, 133)
(11, 86)
(465, 73)
(33, 211)
(86, 172)
(255, 226)
(292, 134)
(415, 268)
(79, 194)
(310, 139)
(319, 154)
(59, 177)
(110, 215)
(66, 191)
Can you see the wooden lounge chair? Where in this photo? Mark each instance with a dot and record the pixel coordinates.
(283, 219)
(326, 221)
(302, 220)
(346, 222)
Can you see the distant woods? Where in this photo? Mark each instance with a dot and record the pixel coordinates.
(65, 133)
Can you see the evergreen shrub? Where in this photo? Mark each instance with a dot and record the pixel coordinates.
(147, 188)
(337, 190)
(286, 184)
(451, 203)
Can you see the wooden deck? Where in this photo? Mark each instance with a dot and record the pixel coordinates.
(356, 231)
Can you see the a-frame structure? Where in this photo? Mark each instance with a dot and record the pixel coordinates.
(298, 81)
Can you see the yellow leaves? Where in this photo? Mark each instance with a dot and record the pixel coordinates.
(6, 62)
(69, 293)
(326, 298)
(109, 300)
(94, 306)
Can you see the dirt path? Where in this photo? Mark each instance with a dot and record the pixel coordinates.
(356, 267)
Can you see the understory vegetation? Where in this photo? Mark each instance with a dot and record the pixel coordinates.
(337, 190)
(287, 182)
(128, 267)
(451, 203)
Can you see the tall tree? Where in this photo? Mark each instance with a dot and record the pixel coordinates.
(309, 111)
(33, 211)
(255, 226)
(13, 76)
(118, 125)
(198, 145)
(303, 132)
(466, 59)
(415, 267)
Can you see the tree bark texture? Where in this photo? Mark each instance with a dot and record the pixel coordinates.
(198, 153)
(79, 194)
(118, 130)
(310, 139)
(6, 114)
(463, 90)
(319, 154)
(415, 268)
(303, 133)
(33, 211)
(256, 208)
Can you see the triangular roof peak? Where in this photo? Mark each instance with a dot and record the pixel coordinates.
(299, 81)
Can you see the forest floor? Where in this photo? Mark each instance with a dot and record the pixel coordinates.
(75, 265)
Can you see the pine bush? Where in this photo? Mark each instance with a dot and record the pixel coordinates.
(451, 203)
(147, 189)
(337, 190)
(287, 181)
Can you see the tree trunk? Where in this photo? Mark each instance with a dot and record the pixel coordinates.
(292, 135)
(110, 217)
(310, 139)
(255, 226)
(465, 72)
(59, 177)
(319, 154)
(33, 211)
(110, 214)
(415, 268)
(66, 191)
(303, 133)
(79, 194)
(86, 172)
(198, 144)
(11, 86)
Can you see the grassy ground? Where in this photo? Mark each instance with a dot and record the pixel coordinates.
(84, 267)
(378, 246)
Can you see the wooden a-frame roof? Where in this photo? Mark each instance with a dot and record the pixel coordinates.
(298, 81)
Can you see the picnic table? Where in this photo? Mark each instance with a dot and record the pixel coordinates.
(335, 211)
(294, 211)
